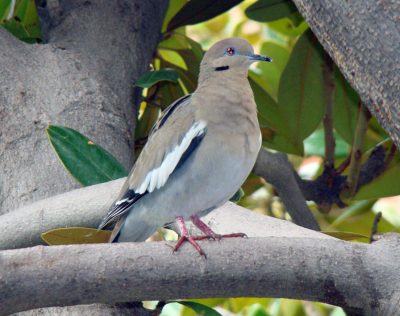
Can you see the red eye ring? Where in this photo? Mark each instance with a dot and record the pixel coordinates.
(230, 51)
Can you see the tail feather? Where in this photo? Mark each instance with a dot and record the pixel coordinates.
(132, 229)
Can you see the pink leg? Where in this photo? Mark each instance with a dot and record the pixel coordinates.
(209, 233)
(185, 236)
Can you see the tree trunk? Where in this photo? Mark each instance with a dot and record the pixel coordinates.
(83, 78)
(363, 38)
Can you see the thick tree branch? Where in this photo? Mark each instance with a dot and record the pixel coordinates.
(363, 39)
(277, 170)
(359, 277)
(86, 206)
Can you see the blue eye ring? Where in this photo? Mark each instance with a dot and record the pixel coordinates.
(230, 51)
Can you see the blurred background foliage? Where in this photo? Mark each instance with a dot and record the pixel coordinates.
(300, 97)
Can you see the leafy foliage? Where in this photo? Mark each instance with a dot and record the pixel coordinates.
(197, 11)
(270, 10)
(152, 77)
(20, 18)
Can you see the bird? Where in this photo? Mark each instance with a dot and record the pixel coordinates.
(198, 153)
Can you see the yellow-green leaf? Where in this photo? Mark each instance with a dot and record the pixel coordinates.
(345, 235)
(75, 235)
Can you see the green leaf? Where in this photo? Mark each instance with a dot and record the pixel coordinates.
(75, 235)
(23, 22)
(270, 10)
(269, 116)
(345, 108)
(199, 309)
(345, 235)
(301, 90)
(354, 209)
(314, 145)
(87, 162)
(287, 27)
(387, 184)
(271, 72)
(173, 8)
(196, 11)
(152, 77)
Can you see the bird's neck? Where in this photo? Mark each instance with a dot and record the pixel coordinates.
(221, 73)
(231, 96)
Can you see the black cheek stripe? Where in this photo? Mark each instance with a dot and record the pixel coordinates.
(222, 68)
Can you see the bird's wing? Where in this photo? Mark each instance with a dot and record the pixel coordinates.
(173, 138)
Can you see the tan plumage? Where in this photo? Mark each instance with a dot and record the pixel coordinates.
(199, 153)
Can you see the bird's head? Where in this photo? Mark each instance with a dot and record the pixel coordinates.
(230, 55)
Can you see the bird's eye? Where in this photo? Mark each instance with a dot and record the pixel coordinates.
(230, 51)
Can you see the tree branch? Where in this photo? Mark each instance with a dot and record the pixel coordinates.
(359, 277)
(86, 207)
(277, 170)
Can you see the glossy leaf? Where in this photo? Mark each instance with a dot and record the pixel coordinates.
(357, 208)
(170, 92)
(270, 10)
(314, 145)
(87, 162)
(152, 77)
(196, 11)
(271, 72)
(22, 21)
(269, 116)
(173, 8)
(345, 235)
(345, 108)
(75, 235)
(301, 90)
(199, 309)
(287, 27)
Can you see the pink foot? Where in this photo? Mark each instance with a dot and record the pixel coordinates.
(185, 236)
(208, 234)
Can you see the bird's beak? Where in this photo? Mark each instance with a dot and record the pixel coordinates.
(255, 57)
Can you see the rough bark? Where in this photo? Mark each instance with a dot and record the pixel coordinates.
(362, 278)
(82, 78)
(363, 38)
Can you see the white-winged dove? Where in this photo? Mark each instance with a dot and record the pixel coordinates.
(197, 155)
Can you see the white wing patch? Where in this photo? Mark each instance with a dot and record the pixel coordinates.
(156, 178)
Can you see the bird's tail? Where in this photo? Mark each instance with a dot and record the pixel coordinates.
(132, 229)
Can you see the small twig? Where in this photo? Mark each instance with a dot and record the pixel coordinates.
(342, 167)
(329, 87)
(374, 228)
(356, 152)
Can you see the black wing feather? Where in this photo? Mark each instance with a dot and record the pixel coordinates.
(120, 207)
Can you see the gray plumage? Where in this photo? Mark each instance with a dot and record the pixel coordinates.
(200, 151)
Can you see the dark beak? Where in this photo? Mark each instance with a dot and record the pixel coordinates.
(260, 58)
